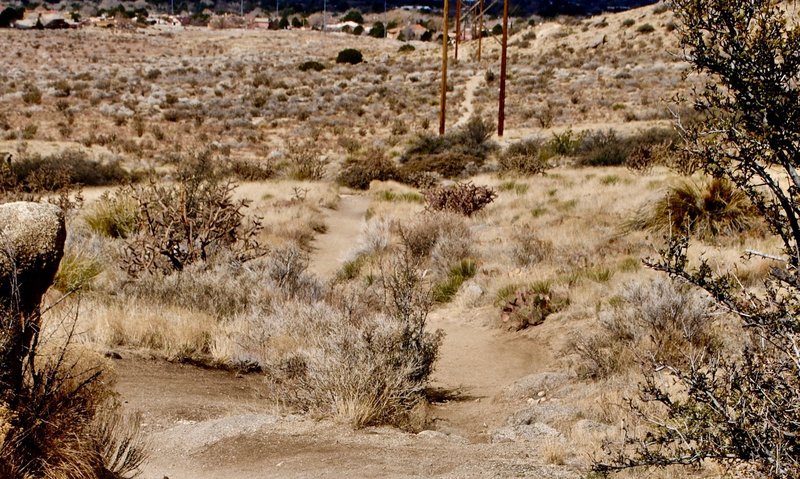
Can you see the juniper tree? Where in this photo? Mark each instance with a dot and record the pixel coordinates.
(743, 409)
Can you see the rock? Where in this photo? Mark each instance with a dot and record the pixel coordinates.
(529, 386)
(598, 41)
(526, 433)
(441, 436)
(541, 413)
(31, 246)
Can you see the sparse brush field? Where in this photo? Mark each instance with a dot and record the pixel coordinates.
(488, 310)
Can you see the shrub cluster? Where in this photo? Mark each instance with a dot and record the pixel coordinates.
(451, 155)
(463, 198)
(350, 56)
(358, 171)
(526, 157)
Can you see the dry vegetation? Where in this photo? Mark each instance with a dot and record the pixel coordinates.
(543, 237)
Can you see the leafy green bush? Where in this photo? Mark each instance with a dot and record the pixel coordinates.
(350, 56)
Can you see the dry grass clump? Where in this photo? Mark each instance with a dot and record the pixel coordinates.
(114, 215)
(362, 357)
(525, 306)
(657, 321)
(707, 210)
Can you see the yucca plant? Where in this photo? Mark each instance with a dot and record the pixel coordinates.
(705, 210)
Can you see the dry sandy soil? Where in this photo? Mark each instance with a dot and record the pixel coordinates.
(505, 404)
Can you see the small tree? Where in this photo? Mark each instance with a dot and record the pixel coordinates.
(743, 409)
(377, 30)
(353, 16)
(350, 55)
(296, 23)
(283, 24)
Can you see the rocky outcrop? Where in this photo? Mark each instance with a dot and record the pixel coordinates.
(31, 246)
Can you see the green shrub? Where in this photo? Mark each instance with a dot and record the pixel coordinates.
(114, 215)
(350, 56)
(445, 291)
(76, 272)
(353, 15)
(311, 65)
(450, 155)
(523, 307)
(707, 210)
(628, 22)
(406, 48)
(377, 30)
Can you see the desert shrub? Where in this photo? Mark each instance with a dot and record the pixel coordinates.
(644, 157)
(523, 307)
(406, 48)
(645, 29)
(358, 31)
(464, 198)
(603, 149)
(311, 65)
(37, 173)
(654, 321)
(706, 210)
(32, 95)
(350, 56)
(114, 215)
(567, 143)
(247, 170)
(306, 162)
(607, 149)
(358, 171)
(76, 271)
(524, 157)
(359, 361)
(527, 249)
(628, 22)
(444, 291)
(189, 221)
(451, 155)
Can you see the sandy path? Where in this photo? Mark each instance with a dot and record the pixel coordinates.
(469, 99)
(344, 229)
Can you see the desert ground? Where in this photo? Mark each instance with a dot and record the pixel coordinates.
(530, 379)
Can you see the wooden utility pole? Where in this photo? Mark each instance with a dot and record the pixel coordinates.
(501, 114)
(480, 30)
(458, 27)
(443, 99)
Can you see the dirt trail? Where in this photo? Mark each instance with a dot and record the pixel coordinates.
(469, 99)
(207, 424)
(344, 229)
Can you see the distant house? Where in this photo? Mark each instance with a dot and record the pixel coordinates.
(45, 19)
(262, 23)
(342, 27)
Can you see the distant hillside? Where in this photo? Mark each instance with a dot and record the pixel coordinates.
(546, 8)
